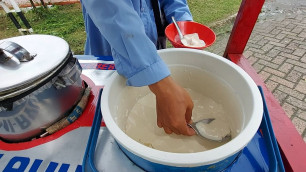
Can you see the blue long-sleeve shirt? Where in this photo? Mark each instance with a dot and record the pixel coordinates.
(126, 30)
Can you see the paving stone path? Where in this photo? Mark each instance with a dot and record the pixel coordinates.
(277, 50)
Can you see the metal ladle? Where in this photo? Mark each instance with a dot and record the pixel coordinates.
(207, 121)
(182, 39)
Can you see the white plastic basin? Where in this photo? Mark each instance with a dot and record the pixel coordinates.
(240, 90)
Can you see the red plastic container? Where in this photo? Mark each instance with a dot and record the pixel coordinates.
(188, 27)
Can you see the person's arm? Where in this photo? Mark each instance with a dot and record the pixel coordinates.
(174, 107)
(135, 55)
(177, 8)
(122, 27)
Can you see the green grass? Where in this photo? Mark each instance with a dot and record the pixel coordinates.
(67, 22)
(62, 21)
(209, 11)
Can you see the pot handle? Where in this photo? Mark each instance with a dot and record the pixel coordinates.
(14, 50)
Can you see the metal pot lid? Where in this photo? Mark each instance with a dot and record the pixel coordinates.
(36, 56)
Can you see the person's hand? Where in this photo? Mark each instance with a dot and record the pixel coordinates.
(174, 107)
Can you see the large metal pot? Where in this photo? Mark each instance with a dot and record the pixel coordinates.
(39, 83)
(118, 99)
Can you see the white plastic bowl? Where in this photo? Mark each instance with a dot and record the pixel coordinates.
(238, 81)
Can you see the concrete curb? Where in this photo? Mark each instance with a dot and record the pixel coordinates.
(223, 21)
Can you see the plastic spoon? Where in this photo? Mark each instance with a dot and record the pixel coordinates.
(183, 40)
(203, 133)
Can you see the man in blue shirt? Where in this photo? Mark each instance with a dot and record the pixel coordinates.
(126, 30)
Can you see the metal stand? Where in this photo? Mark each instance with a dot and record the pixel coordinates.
(17, 10)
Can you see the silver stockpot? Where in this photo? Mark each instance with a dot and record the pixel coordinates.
(39, 84)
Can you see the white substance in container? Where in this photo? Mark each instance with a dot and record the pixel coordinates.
(141, 125)
(215, 130)
(212, 98)
(193, 40)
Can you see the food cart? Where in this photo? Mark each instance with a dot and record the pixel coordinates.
(86, 143)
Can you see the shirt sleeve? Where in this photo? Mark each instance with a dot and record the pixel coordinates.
(177, 8)
(135, 55)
